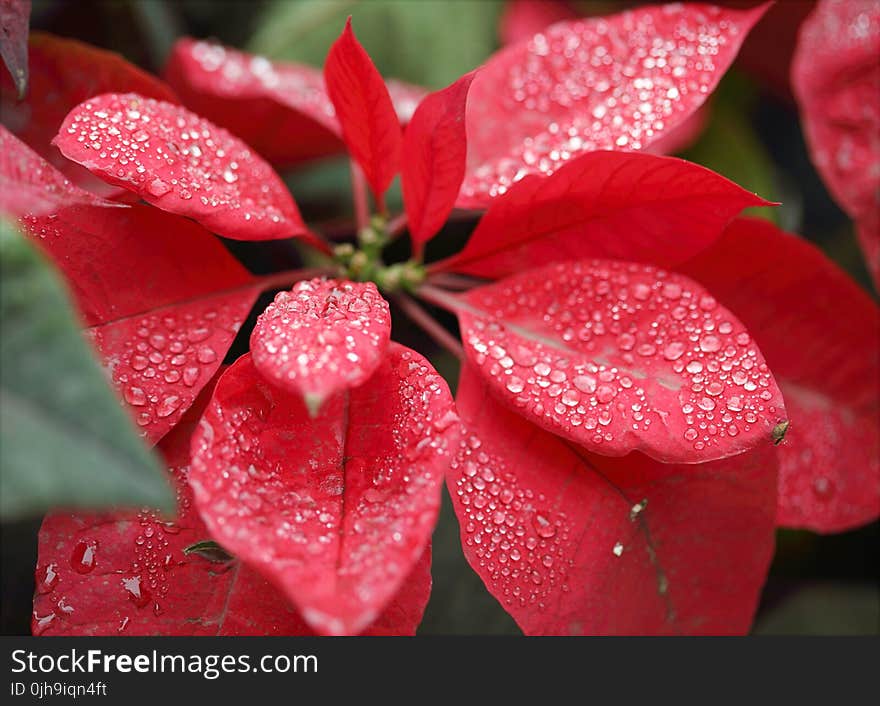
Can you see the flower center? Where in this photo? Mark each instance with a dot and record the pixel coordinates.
(364, 263)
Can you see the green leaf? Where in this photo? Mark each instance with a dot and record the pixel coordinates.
(428, 42)
(64, 438)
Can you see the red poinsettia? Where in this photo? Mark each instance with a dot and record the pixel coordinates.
(836, 77)
(619, 438)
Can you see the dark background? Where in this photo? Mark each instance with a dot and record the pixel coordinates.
(818, 584)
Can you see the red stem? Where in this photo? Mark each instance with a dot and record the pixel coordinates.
(440, 298)
(359, 192)
(448, 280)
(431, 326)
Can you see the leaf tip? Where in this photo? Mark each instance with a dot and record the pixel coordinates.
(313, 401)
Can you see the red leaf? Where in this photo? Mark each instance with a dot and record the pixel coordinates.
(181, 163)
(369, 124)
(572, 543)
(29, 185)
(63, 73)
(836, 77)
(322, 337)
(334, 510)
(820, 334)
(435, 149)
(606, 204)
(163, 298)
(523, 19)
(620, 357)
(124, 573)
(14, 19)
(617, 82)
(280, 109)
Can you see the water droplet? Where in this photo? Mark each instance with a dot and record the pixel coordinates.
(83, 557)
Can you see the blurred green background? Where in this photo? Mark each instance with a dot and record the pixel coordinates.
(818, 584)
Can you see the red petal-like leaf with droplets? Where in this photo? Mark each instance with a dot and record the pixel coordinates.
(124, 573)
(280, 109)
(617, 82)
(636, 207)
(334, 510)
(523, 19)
(322, 337)
(836, 77)
(573, 543)
(181, 163)
(820, 333)
(363, 106)
(64, 73)
(14, 20)
(161, 322)
(435, 150)
(30, 186)
(620, 357)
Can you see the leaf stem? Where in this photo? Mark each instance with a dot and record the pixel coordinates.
(449, 280)
(359, 193)
(395, 227)
(430, 325)
(440, 298)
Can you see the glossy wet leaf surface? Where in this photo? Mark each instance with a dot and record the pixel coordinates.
(280, 109)
(572, 543)
(619, 357)
(64, 439)
(63, 73)
(130, 574)
(836, 77)
(616, 82)
(322, 337)
(181, 163)
(161, 298)
(338, 525)
(819, 332)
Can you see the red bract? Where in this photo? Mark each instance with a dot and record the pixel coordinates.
(369, 123)
(617, 82)
(14, 17)
(605, 204)
(63, 73)
(282, 110)
(435, 151)
(338, 525)
(322, 337)
(181, 163)
(125, 573)
(620, 357)
(836, 77)
(523, 19)
(819, 333)
(29, 185)
(160, 324)
(571, 543)
(617, 468)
